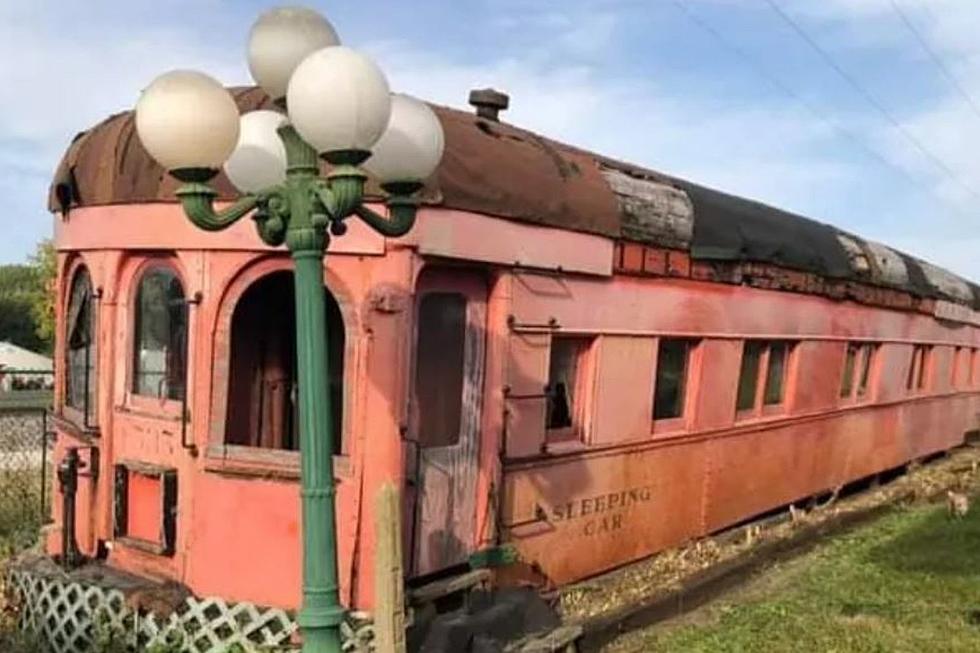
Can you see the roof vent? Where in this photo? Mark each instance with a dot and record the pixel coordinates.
(489, 103)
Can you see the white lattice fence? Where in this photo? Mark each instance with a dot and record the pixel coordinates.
(65, 613)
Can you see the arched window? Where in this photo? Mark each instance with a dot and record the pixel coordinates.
(80, 347)
(160, 342)
(262, 410)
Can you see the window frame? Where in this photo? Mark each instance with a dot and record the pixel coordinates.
(760, 407)
(955, 367)
(919, 380)
(581, 392)
(246, 461)
(692, 358)
(974, 378)
(864, 375)
(147, 404)
(79, 416)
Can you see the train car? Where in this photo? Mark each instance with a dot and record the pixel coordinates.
(574, 358)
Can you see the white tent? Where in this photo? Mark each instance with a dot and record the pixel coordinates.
(13, 358)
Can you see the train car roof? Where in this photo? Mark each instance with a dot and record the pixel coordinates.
(500, 170)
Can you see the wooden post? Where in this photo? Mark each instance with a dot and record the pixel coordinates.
(389, 576)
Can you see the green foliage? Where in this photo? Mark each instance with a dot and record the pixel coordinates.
(172, 642)
(27, 297)
(20, 510)
(14, 640)
(910, 582)
(44, 262)
(106, 636)
(16, 322)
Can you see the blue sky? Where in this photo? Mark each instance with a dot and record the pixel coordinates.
(723, 92)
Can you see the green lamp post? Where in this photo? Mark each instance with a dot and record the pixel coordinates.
(336, 106)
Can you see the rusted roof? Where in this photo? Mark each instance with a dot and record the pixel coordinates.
(500, 170)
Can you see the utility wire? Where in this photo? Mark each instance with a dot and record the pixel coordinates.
(936, 59)
(869, 98)
(852, 136)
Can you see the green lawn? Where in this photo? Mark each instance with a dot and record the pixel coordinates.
(908, 582)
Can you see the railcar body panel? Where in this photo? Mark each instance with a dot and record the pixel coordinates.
(623, 368)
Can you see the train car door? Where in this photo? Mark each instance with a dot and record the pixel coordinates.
(447, 389)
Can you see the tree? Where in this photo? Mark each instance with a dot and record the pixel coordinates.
(44, 262)
(27, 295)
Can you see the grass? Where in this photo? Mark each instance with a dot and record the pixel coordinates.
(908, 582)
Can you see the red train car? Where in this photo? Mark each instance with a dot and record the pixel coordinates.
(579, 358)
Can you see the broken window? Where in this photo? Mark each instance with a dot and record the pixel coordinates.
(80, 377)
(671, 381)
(262, 399)
(440, 367)
(565, 392)
(160, 349)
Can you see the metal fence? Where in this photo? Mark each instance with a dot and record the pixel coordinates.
(25, 405)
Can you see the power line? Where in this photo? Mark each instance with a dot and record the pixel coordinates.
(842, 131)
(936, 59)
(869, 98)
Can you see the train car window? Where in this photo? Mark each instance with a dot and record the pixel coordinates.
(925, 363)
(748, 376)
(974, 373)
(671, 381)
(847, 380)
(440, 367)
(80, 377)
(858, 365)
(955, 367)
(913, 366)
(762, 378)
(867, 361)
(262, 410)
(564, 392)
(160, 343)
(776, 373)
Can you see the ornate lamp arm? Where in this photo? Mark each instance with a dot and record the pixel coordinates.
(343, 193)
(198, 202)
(402, 211)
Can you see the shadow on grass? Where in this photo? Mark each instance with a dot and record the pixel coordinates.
(937, 545)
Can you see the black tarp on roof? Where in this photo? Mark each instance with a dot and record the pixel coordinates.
(730, 228)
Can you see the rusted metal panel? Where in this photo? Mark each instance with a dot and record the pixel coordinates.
(824, 364)
(578, 516)
(623, 389)
(472, 237)
(524, 426)
(527, 364)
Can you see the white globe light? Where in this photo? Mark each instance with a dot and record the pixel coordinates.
(259, 159)
(338, 99)
(280, 39)
(411, 147)
(186, 119)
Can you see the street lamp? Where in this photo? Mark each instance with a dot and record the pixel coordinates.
(337, 106)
